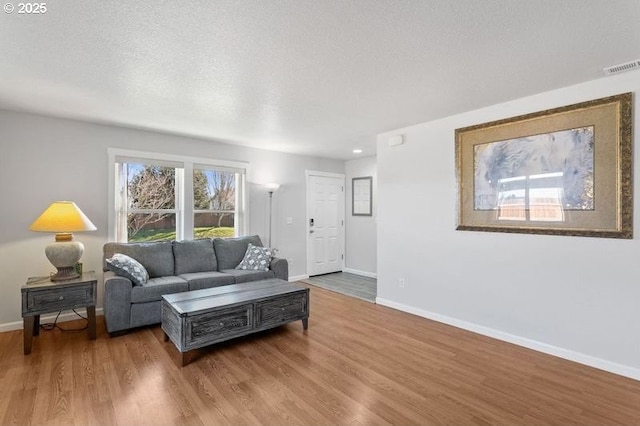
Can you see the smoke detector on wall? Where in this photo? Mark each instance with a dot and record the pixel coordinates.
(627, 66)
(396, 140)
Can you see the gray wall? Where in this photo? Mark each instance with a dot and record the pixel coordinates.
(360, 231)
(46, 159)
(574, 297)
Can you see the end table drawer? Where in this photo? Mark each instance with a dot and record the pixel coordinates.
(281, 310)
(60, 300)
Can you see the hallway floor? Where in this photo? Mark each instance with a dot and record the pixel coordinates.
(353, 285)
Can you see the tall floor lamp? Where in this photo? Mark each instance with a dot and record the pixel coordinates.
(271, 188)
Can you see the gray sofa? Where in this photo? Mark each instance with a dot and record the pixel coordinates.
(173, 267)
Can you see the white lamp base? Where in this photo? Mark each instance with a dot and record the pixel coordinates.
(64, 254)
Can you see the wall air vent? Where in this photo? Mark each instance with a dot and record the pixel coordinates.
(628, 66)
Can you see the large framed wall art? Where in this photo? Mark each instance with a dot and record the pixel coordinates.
(564, 171)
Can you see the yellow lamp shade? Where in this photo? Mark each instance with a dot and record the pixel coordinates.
(62, 216)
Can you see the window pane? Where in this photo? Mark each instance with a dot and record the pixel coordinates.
(209, 225)
(151, 187)
(214, 190)
(151, 226)
(149, 193)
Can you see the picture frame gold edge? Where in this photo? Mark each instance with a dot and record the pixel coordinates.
(623, 98)
(626, 163)
(622, 234)
(625, 169)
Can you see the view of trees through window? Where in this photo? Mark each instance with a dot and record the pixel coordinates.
(214, 203)
(152, 195)
(151, 200)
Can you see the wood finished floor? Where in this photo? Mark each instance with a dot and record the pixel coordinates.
(358, 364)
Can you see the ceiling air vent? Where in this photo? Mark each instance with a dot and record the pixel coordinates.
(628, 66)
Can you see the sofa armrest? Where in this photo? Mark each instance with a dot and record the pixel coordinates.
(280, 267)
(117, 302)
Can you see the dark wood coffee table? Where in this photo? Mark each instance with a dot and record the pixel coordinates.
(199, 318)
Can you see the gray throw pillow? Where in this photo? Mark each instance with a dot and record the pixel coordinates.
(257, 258)
(230, 251)
(155, 256)
(128, 267)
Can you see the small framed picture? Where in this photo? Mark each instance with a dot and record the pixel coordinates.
(362, 196)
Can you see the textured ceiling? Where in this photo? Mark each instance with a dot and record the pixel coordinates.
(317, 77)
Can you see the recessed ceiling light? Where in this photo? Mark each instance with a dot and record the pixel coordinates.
(357, 151)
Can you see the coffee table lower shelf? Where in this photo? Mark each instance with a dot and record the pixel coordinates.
(199, 318)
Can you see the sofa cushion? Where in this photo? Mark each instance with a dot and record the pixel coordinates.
(243, 276)
(156, 287)
(194, 256)
(230, 251)
(128, 267)
(200, 280)
(156, 257)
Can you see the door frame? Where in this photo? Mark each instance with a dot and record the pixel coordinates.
(308, 174)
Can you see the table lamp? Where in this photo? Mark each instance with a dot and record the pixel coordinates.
(63, 218)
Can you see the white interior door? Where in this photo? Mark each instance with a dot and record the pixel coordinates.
(325, 223)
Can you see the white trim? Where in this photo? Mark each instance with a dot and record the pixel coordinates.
(307, 176)
(591, 361)
(361, 273)
(184, 180)
(111, 194)
(298, 278)
(67, 316)
(115, 152)
(242, 195)
(308, 173)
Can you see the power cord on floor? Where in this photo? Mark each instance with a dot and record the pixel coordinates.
(53, 325)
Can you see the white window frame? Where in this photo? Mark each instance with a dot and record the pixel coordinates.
(184, 188)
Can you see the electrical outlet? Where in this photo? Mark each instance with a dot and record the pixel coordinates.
(401, 282)
(290, 262)
(289, 220)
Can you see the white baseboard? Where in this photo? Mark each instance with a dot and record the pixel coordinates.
(65, 316)
(361, 273)
(591, 361)
(298, 278)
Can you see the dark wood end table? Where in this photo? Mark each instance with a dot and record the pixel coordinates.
(42, 296)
